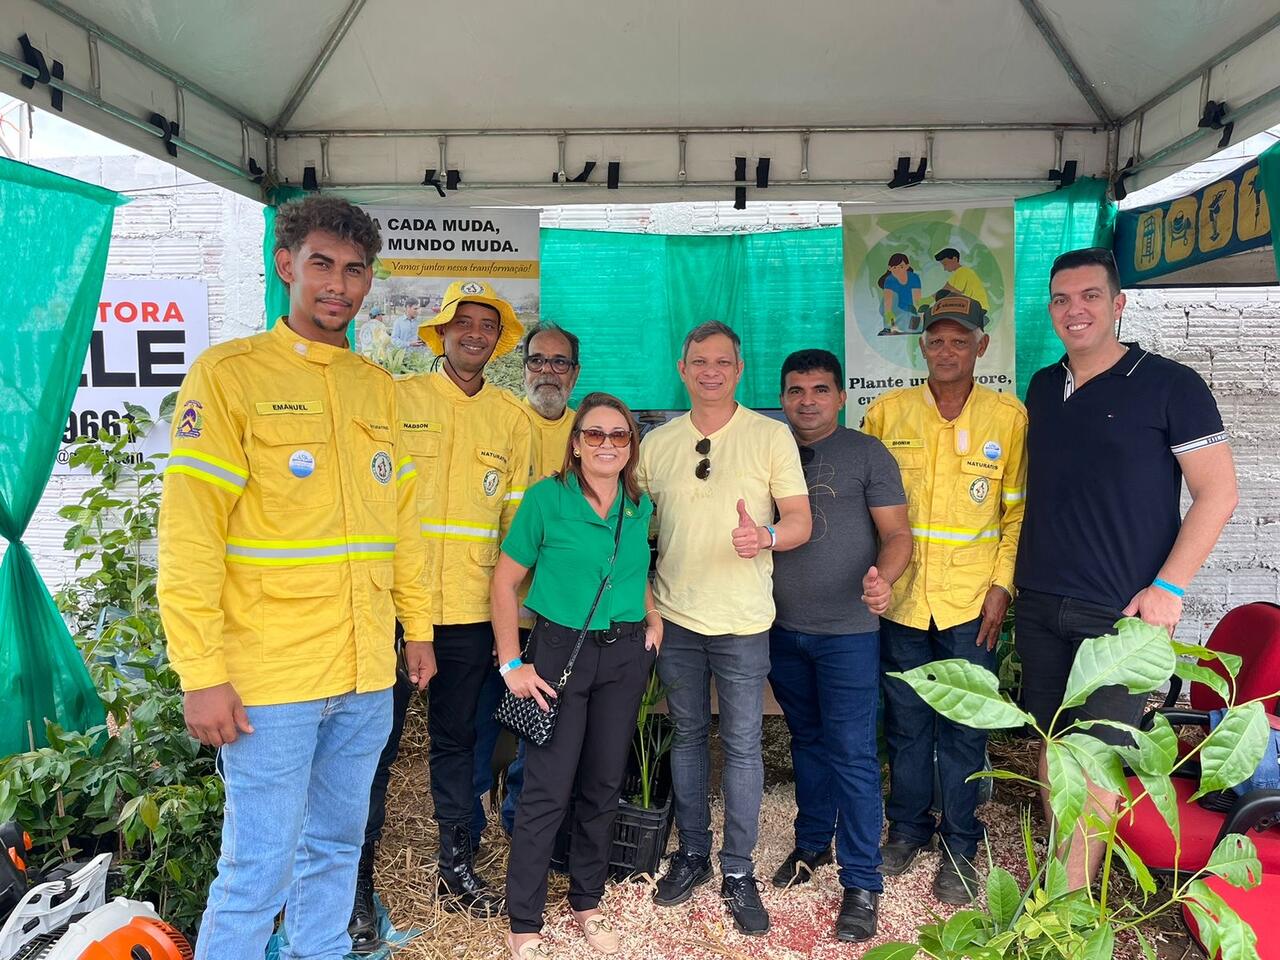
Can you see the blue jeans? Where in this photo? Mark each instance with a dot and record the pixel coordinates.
(740, 665)
(487, 732)
(297, 801)
(912, 731)
(828, 688)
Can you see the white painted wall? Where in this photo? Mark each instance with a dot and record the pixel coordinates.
(177, 227)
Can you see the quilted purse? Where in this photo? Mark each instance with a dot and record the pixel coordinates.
(522, 715)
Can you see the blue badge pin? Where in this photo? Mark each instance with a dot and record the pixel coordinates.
(302, 464)
(991, 450)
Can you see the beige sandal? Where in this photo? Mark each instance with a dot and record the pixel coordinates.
(599, 933)
(533, 949)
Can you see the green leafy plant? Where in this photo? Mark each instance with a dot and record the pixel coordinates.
(140, 786)
(654, 733)
(1046, 920)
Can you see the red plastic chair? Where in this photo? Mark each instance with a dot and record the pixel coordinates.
(1251, 632)
(1257, 907)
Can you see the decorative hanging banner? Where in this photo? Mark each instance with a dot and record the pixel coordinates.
(897, 261)
(1223, 218)
(146, 334)
(425, 249)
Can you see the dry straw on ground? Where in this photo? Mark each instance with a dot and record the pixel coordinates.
(700, 929)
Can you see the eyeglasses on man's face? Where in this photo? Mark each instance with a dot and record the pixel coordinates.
(594, 437)
(558, 364)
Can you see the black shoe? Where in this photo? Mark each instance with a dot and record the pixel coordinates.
(459, 887)
(898, 855)
(956, 882)
(684, 872)
(363, 925)
(743, 899)
(856, 920)
(799, 867)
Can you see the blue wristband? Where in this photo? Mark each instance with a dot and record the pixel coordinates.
(1170, 587)
(509, 666)
(773, 536)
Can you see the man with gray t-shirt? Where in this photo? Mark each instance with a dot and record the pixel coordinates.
(824, 647)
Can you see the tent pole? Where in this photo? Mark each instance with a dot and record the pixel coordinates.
(1068, 62)
(317, 67)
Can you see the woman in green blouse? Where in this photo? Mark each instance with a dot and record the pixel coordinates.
(564, 532)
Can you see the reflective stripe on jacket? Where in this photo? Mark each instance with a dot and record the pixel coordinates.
(288, 534)
(472, 456)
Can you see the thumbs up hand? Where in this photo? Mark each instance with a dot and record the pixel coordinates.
(746, 535)
(876, 592)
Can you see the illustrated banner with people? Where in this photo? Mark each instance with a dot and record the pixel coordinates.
(897, 261)
(424, 249)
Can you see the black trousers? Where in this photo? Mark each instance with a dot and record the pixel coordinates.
(590, 747)
(464, 654)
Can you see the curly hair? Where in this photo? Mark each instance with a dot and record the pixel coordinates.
(334, 215)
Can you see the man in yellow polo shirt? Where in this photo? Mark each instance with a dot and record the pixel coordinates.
(961, 448)
(289, 543)
(715, 477)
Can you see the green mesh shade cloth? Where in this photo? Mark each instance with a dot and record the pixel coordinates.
(1269, 175)
(633, 297)
(55, 233)
(1045, 226)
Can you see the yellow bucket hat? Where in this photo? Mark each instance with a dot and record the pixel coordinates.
(473, 291)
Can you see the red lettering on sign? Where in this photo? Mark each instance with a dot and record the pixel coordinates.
(126, 311)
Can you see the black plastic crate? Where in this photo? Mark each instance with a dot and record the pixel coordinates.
(640, 835)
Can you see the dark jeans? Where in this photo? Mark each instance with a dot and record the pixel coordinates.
(590, 746)
(740, 665)
(487, 732)
(828, 688)
(912, 731)
(464, 654)
(1048, 630)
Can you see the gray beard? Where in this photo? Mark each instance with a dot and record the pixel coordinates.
(548, 403)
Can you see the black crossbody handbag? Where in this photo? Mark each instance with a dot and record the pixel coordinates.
(523, 716)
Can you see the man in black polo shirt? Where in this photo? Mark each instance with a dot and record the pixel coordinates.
(1113, 431)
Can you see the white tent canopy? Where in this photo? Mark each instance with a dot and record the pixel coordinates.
(364, 97)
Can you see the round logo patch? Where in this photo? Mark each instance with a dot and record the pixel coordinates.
(381, 467)
(472, 289)
(302, 464)
(991, 450)
(979, 489)
(490, 482)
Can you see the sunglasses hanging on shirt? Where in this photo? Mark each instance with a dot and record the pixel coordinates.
(703, 448)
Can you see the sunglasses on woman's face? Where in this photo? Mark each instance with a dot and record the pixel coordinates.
(594, 437)
(703, 469)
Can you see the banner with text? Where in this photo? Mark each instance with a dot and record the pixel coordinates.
(897, 260)
(145, 336)
(424, 249)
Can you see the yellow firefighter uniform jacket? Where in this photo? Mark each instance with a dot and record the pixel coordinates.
(472, 456)
(289, 542)
(965, 481)
(550, 441)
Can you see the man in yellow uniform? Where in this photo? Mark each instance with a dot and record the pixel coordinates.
(470, 441)
(289, 543)
(550, 372)
(962, 451)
